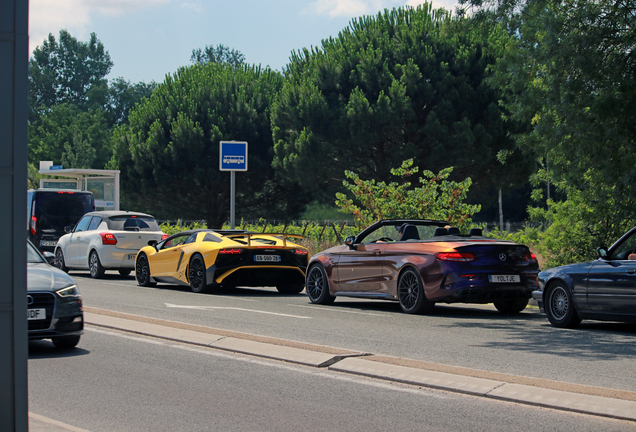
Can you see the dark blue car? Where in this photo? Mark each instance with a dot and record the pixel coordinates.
(603, 289)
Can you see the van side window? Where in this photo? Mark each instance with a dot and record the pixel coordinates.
(82, 224)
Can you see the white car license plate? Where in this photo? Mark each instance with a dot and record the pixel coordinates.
(504, 278)
(267, 258)
(131, 257)
(48, 243)
(36, 314)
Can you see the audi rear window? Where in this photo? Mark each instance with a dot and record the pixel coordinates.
(133, 223)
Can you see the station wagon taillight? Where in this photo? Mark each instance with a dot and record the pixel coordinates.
(108, 238)
(34, 222)
(456, 256)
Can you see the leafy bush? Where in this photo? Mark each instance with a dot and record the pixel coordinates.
(437, 198)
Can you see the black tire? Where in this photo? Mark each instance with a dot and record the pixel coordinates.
(559, 307)
(59, 260)
(196, 274)
(411, 293)
(318, 286)
(95, 266)
(142, 271)
(124, 272)
(290, 288)
(511, 306)
(66, 342)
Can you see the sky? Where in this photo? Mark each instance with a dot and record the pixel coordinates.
(149, 39)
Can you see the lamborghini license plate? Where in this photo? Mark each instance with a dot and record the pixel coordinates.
(267, 258)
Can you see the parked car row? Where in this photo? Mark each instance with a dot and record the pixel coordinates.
(415, 262)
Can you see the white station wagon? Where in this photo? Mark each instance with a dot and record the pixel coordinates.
(106, 240)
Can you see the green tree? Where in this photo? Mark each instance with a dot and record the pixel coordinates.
(169, 151)
(436, 198)
(123, 96)
(568, 74)
(69, 136)
(68, 71)
(218, 54)
(407, 83)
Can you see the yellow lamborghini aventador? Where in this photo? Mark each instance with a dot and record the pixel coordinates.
(205, 258)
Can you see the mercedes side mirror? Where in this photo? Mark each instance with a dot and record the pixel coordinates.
(349, 242)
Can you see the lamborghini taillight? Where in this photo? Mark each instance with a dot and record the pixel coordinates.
(233, 251)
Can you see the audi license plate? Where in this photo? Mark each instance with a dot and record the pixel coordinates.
(48, 242)
(267, 258)
(504, 278)
(36, 314)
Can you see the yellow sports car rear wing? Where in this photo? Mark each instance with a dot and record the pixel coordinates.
(249, 236)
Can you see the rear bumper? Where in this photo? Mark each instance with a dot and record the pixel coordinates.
(118, 259)
(255, 276)
(478, 289)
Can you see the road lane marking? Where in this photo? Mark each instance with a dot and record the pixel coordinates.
(331, 309)
(234, 308)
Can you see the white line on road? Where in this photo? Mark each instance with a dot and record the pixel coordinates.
(233, 308)
(331, 309)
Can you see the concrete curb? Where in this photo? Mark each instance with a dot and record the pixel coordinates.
(354, 364)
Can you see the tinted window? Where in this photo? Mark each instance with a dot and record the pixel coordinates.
(627, 247)
(55, 210)
(174, 241)
(82, 224)
(211, 238)
(94, 223)
(133, 223)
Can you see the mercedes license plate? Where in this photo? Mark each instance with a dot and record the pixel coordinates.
(36, 314)
(48, 242)
(267, 258)
(504, 278)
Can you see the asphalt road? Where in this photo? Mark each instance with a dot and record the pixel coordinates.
(470, 336)
(116, 381)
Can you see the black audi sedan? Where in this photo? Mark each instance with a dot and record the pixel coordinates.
(603, 289)
(54, 303)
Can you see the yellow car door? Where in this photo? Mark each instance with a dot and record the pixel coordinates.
(167, 261)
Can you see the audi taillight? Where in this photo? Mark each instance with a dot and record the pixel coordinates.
(108, 238)
(456, 256)
(233, 251)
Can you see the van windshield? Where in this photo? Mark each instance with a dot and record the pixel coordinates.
(55, 210)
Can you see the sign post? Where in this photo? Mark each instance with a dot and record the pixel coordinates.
(232, 157)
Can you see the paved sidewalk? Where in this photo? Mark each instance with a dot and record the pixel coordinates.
(562, 396)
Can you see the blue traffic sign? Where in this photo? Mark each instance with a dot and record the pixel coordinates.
(233, 156)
